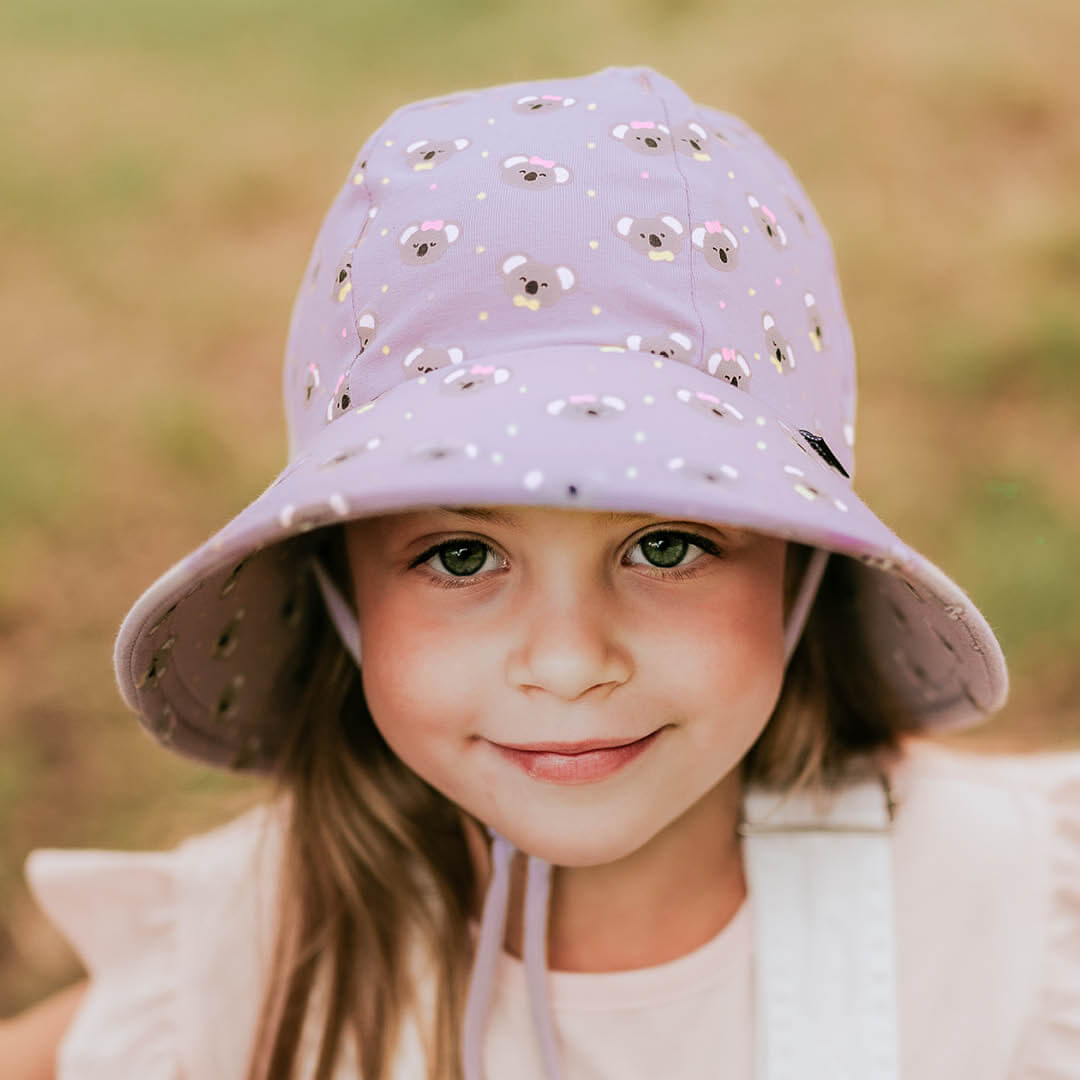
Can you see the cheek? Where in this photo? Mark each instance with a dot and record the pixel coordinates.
(723, 650)
(417, 682)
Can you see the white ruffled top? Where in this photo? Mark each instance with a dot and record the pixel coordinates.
(987, 901)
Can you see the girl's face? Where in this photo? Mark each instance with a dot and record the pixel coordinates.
(501, 645)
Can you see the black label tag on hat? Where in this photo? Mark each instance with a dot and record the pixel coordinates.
(821, 447)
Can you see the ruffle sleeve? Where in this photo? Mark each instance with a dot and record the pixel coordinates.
(1050, 1046)
(118, 910)
(177, 944)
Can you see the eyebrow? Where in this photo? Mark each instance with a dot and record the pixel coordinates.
(497, 517)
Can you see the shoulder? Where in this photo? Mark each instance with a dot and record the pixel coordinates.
(174, 941)
(987, 860)
(986, 816)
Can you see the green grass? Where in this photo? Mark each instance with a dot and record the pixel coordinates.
(1041, 361)
(1022, 554)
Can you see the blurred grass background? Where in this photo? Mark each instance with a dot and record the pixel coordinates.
(167, 164)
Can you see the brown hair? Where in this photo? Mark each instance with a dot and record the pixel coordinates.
(377, 861)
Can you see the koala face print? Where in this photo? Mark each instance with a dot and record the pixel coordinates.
(587, 406)
(644, 136)
(731, 366)
(349, 382)
(797, 210)
(424, 154)
(767, 222)
(777, 348)
(343, 279)
(427, 241)
(423, 360)
(533, 285)
(817, 331)
(439, 450)
(341, 400)
(690, 139)
(346, 453)
(365, 329)
(535, 104)
(660, 238)
(533, 173)
(700, 473)
(673, 346)
(718, 243)
(471, 378)
(708, 404)
(311, 382)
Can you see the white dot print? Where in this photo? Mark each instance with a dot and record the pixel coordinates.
(533, 479)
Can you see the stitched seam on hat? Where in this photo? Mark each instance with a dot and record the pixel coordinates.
(363, 228)
(689, 235)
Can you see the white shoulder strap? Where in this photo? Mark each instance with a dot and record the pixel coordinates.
(820, 884)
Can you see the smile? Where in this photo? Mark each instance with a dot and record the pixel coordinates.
(575, 763)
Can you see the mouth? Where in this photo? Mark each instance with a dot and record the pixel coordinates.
(577, 762)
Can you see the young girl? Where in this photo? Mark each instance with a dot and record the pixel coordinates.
(591, 688)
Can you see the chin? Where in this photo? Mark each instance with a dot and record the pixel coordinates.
(577, 847)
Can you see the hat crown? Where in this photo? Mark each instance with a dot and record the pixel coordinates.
(608, 210)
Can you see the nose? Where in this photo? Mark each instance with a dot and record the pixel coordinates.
(654, 240)
(532, 287)
(422, 250)
(571, 647)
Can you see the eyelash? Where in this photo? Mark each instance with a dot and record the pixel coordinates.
(448, 581)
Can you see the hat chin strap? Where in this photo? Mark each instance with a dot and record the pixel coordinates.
(804, 600)
(337, 607)
(538, 872)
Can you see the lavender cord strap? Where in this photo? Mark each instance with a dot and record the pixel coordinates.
(537, 895)
(341, 614)
(482, 982)
(804, 600)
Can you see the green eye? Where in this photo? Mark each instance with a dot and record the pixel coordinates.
(664, 549)
(463, 557)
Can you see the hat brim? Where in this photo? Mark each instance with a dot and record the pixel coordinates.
(206, 654)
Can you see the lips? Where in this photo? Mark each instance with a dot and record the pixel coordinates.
(575, 763)
(569, 747)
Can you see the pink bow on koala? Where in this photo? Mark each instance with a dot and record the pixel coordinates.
(714, 226)
(768, 213)
(728, 354)
(642, 124)
(534, 160)
(580, 399)
(425, 226)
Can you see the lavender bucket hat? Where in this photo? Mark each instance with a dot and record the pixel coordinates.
(587, 292)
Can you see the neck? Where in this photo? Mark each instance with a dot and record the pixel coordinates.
(666, 899)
